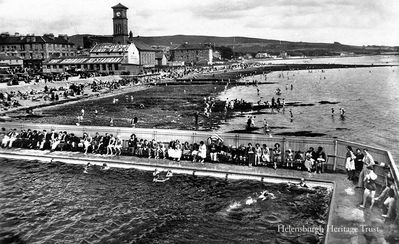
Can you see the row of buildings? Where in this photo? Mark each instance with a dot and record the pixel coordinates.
(57, 54)
(33, 49)
(118, 53)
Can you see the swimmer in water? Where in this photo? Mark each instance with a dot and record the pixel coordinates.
(86, 168)
(292, 116)
(159, 178)
(169, 174)
(265, 195)
(250, 201)
(105, 167)
(342, 113)
(302, 183)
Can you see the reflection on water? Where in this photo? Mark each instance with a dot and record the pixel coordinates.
(369, 96)
(48, 203)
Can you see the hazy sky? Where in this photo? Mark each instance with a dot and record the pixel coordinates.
(360, 22)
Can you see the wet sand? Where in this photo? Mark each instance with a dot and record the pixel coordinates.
(164, 107)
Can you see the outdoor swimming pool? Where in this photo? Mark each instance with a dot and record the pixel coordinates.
(56, 202)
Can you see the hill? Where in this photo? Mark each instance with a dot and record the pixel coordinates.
(242, 45)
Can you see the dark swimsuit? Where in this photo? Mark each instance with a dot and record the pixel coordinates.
(370, 184)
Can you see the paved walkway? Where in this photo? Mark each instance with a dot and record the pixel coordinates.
(347, 222)
(86, 96)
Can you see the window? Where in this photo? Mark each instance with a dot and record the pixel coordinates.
(116, 66)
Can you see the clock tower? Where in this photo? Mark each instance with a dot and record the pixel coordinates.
(121, 34)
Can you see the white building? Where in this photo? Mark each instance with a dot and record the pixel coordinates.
(107, 58)
(262, 55)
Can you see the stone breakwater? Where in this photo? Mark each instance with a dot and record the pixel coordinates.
(234, 75)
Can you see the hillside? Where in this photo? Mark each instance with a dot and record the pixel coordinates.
(243, 45)
(254, 45)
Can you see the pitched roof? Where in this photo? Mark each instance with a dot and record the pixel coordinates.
(119, 5)
(11, 40)
(109, 48)
(141, 46)
(194, 46)
(33, 39)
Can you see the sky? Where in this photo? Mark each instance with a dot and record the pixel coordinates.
(356, 22)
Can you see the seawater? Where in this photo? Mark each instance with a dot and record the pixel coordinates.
(369, 97)
(58, 203)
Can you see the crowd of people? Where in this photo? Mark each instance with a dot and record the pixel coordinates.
(12, 99)
(360, 168)
(212, 150)
(9, 100)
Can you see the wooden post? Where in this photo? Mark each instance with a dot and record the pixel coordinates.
(335, 155)
(283, 147)
(194, 137)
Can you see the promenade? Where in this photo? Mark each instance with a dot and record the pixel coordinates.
(36, 100)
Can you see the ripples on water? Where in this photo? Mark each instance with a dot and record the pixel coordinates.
(369, 96)
(55, 202)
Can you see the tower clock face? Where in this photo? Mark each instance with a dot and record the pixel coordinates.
(118, 14)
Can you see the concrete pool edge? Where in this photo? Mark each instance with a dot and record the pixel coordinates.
(179, 169)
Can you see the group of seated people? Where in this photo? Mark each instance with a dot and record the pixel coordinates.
(212, 150)
(8, 100)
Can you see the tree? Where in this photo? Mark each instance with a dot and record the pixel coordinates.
(225, 52)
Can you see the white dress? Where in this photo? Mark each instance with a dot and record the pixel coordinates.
(202, 151)
(350, 162)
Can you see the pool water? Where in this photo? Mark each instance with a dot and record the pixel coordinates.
(56, 202)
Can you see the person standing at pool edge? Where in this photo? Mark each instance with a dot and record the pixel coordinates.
(367, 161)
(370, 186)
(350, 162)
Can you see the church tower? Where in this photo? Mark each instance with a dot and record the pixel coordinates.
(121, 34)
